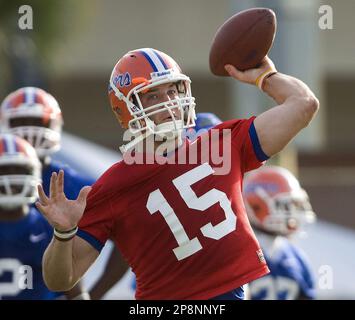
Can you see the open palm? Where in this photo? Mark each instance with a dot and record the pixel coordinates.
(61, 213)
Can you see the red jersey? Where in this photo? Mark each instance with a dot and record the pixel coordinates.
(182, 227)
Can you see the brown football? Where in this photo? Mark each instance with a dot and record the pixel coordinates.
(243, 40)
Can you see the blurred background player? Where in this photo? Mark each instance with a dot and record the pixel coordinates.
(24, 233)
(34, 115)
(278, 208)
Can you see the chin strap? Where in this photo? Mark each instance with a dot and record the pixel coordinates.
(170, 128)
(128, 146)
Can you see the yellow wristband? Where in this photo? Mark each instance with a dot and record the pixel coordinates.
(260, 79)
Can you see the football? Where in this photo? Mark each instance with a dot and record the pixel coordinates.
(243, 40)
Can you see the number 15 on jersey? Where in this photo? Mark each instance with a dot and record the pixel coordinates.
(157, 203)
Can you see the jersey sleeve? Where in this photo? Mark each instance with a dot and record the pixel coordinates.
(253, 155)
(96, 223)
(246, 143)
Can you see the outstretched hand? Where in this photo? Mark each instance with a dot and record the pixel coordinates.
(61, 213)
(251, 75)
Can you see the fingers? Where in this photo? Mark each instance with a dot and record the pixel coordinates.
(60, 182)
(41, 208)
(56, 184)
(42, 196)
(83, 194)
(53, 185)
(234, 72)
(41, 205)
(251, 76)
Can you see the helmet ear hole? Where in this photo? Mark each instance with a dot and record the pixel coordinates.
(256, 208)
(259, 213)
(117, 111)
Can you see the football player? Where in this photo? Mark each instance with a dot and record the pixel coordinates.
(181, 225)
(35, 115)
(24, 233)
(204, 121)
(278, 208)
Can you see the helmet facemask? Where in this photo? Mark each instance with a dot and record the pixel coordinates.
(19, 177)
(180, 110)
(287, 212)
(42, 131)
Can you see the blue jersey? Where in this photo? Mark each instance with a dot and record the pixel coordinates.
(73, 181)
(290, 276)
(22, 244)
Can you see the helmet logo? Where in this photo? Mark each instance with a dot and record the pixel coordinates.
(122, 80)
(160, 74)
(267, 186)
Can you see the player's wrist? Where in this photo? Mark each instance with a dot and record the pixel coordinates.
(261, 79)
(65, 235)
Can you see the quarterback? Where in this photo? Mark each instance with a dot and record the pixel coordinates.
(182, 227)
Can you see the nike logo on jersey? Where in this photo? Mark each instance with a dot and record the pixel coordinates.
(37, 237)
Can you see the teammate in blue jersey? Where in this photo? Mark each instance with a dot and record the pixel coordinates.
(34, 114)
(278, 208)
(24, 233)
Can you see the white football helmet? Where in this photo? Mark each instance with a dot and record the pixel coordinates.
(20, 172)
(34, 115)
(275, 201)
